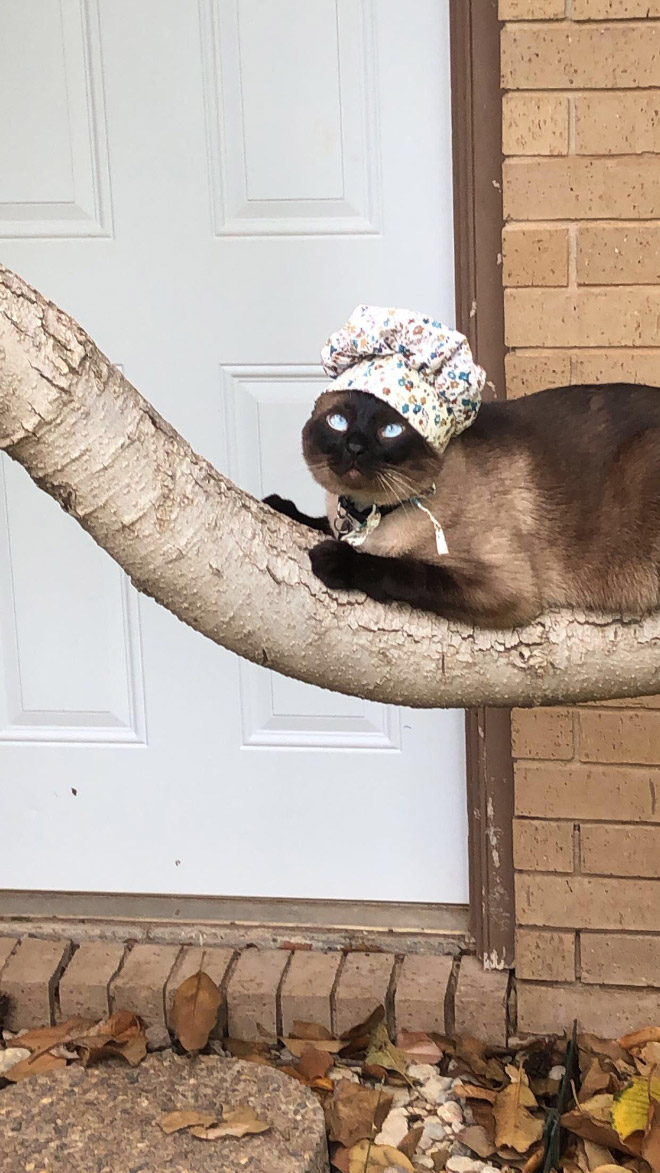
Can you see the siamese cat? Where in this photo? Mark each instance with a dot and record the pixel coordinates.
(549, 500)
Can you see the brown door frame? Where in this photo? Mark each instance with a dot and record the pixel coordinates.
(478, 218)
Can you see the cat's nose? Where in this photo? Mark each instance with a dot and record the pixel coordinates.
(356, 443)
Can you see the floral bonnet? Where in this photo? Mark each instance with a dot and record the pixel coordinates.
(424, 370)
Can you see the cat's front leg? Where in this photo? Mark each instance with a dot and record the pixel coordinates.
(343, 568)
(282, 505)
(465, 590)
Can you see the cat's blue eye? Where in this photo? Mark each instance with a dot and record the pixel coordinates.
(337, 422)
(391, 431)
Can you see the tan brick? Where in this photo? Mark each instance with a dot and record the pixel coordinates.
(542, 733)
(612, 849)
(527, 372)
(307, 989)
(480, 1002)
(615, 123)
(620, 316)
(540, 846)
(7, 946)
(603, 1011)
(614, 9)
(608, 366)
(618, 254)
(620, 959)
(30, 978)
(85, 982)
(577, 791)
(252, 992)
(535, 124)
(531, 9)
(576, 902)
(419, 1002)
(534, 255)
(616, 735)
(140, 984)
(363, 985)
(582, 188)
(214, 961)
(558, 57)
(548, 957)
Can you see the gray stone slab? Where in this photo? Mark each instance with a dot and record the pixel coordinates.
(104, 1119)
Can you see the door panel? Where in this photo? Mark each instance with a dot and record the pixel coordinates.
(210, 188)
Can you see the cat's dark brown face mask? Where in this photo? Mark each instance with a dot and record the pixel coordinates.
(354, 444)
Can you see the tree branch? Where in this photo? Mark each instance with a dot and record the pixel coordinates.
(239, 573)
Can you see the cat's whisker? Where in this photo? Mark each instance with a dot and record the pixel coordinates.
(396, 484)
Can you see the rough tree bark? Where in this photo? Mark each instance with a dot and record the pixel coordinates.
(239, 573)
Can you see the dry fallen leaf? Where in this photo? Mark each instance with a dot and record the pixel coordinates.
(482, 1113)
(358, 1037)
(120, 1034)
(184, 1118)
(43, 1038)
(595, 1154)
(418, 1047)
(35, 1065)
(339, 1159)
(515, 1127)
(323, 1085)
(568, 1165)
(472, 1052)
(408, 1146)
(647, 1059)
(241, 1121)
(383, 1053)
(297, 1046)
(476, 1137)
(472, 1091)
(314, 1064)
(254, 1051)
(606, 1048)
(310, 1031)
(595, 1079)
(365, 1157)
(650, 1034)
(534, 1160)
(195, 1010)
(356, 1112)
(441, 1156)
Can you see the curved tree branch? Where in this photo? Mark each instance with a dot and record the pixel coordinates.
(239, 573)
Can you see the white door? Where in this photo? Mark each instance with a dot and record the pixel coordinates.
(210, 188)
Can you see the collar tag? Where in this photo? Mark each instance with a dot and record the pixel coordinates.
(354, 525)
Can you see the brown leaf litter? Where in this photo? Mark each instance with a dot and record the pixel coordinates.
(422, 1101)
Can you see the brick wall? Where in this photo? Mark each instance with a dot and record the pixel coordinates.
(581, 269)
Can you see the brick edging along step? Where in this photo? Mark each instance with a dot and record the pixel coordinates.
(48, 981)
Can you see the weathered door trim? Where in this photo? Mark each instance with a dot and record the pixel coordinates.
(478, 217)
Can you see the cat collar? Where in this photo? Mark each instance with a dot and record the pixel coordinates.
(353, 525)
(424, 370)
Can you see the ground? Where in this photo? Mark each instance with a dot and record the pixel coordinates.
(426, 1102)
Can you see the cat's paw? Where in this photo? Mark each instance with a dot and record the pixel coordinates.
(335, 564)
(281, 505)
